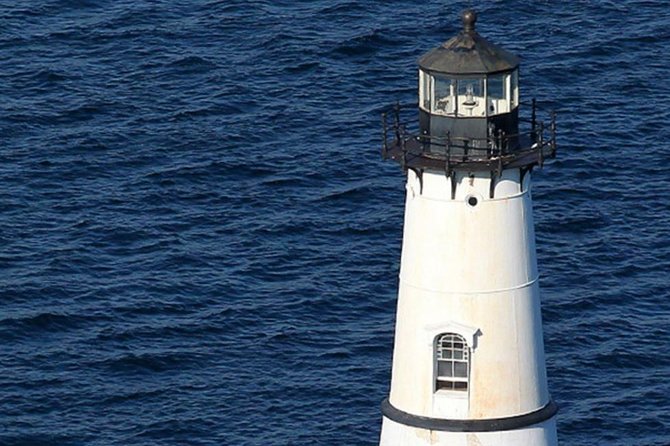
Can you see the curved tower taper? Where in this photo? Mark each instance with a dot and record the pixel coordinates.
(468, 361)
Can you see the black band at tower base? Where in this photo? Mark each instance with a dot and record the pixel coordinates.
(486, 425)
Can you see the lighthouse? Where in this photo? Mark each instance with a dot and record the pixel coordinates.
(468, 360)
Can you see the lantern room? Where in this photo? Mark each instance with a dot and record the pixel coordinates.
(469, 89)
(469, 113)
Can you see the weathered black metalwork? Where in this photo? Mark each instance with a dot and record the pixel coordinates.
(495, 153)
(450, 141)
(469, 90)
(468, 53)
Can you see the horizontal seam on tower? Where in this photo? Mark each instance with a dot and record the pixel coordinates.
(501, 290)
(460, 201)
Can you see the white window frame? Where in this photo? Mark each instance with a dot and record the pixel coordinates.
(447, 353)
(469, 333)
(501, 105)
(452, 93)
(510, 93)
(425, 80)
(514, 92)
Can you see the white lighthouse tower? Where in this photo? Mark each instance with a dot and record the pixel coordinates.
(468, 361)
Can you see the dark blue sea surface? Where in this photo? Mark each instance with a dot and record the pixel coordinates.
(199, 242)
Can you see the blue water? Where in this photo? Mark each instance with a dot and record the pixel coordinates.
(199, 242)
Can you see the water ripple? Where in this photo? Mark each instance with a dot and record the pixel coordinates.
(199, 236)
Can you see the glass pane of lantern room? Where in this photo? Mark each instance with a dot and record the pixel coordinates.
(425, 90)
(444, 102)
(515, 88)
(498, 94)
(471, 97)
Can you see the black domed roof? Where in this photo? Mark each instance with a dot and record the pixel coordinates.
(468, 53)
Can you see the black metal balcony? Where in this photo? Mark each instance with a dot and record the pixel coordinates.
(495, 153)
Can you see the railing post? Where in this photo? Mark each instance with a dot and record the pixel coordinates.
(490, 141)
(403, 148)
(397, 120)
(540, 145)
(533, 121)
(448, 146)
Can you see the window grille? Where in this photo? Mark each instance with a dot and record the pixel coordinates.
(452, 358)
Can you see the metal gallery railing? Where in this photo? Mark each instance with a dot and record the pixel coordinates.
(401, 137)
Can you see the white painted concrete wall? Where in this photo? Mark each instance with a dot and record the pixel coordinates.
(469, 270)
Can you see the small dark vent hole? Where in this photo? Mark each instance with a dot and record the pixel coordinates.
(472, 201)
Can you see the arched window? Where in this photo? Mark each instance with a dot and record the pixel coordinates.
(452, 362)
